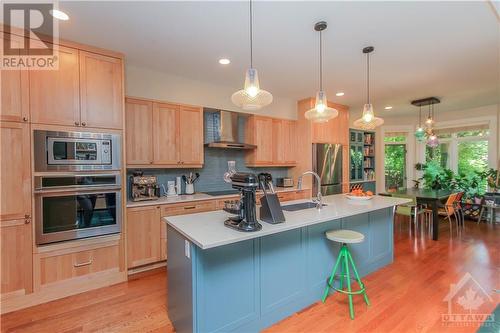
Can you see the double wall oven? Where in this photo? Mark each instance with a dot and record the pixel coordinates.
(78, 185)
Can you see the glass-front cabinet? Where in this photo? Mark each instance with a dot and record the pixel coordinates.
(356, 161)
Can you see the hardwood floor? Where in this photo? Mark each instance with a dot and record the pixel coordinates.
(406, 296)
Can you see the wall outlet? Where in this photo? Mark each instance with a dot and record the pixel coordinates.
(187, 249)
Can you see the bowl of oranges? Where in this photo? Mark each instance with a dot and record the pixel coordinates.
(357, 193)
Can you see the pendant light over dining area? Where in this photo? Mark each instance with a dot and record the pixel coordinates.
(251, 97)
(368, 120)
(321, 112)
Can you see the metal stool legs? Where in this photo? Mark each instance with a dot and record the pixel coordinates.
(344, 259)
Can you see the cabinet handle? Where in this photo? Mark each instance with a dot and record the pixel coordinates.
(190, 207)
(84, 124)
(25, 118)
(84, 263)
(77, 123)
(27, 219)
(150, 162)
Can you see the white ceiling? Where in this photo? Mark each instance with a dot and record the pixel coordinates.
(444, 49)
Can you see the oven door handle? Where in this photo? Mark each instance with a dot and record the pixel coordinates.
(79, 190)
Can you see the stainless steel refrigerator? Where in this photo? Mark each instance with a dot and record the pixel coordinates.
(327, 163)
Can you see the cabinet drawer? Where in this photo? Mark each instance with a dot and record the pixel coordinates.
(188, 208)
(58, 267)
(219, 204)
(286, 196)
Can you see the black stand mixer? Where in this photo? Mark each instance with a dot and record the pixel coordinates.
(246, 219)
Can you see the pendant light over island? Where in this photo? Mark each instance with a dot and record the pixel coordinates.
(251, 97)
(321, 112)
(368, 121)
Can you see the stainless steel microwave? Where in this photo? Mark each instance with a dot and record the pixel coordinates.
(76, 151)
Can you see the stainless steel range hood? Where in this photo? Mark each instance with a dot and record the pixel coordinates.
(224, 129)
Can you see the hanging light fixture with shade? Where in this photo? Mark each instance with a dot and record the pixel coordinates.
(427, 134)
(321, 112)
(420, 132)
(251, 97)
(368, 121)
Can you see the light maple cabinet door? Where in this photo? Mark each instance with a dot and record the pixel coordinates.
(260, 133)
(15, 176)
(279, 145)
(139, 136)
(190, 143)
(143, 235)
(165, 134)
(54, 94)
(289, 142)
(15, 209)
(101, 91)
(15, 257)
(14, 85)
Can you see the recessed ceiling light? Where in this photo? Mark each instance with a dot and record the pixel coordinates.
(388, 107)
(340, 93)
(60, 15)
(224, 61)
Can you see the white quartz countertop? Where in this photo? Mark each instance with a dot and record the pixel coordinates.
(207, 230)
(194, 197)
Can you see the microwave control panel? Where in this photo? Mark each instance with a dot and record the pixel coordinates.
(106, 152)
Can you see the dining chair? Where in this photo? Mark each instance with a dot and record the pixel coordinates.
(459, 209)
(449, 209)
(411, 209)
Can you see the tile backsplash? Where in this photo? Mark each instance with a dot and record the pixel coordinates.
(211, 175)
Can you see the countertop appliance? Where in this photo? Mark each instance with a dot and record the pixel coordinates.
(327, 163)
(76, 151)
(265, 182)
(246, 219)
(144, 187)
(75, 206)
(224, 129)
(284, 182)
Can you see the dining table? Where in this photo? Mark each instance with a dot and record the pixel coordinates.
(431, 198)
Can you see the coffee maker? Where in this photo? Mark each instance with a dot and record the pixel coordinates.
(144, 187)
(246, 219)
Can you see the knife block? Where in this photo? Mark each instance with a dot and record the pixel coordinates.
(270, 209)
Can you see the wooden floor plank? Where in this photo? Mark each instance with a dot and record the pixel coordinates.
(406, 296)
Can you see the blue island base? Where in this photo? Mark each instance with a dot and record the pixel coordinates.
(250, 285)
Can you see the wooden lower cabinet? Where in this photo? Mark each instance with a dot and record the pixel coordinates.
(188, 208)
(143, 240)
(72, 263)
(16, 257)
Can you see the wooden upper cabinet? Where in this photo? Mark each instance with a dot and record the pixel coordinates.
(165, 133)
(14, 85)
(139, 138)
(191, 135)
(15, 173)
(101, 91)
(54, 94)
(335, 130)
(259, 131)
(275, 141)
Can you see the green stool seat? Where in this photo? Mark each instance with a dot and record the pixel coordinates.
(344, 260)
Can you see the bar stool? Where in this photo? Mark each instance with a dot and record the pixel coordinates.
(344, 258)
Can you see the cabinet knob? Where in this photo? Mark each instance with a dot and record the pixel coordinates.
(25, 118)
(150, 162)
(77, 123)
(27, 219)
(84, 124)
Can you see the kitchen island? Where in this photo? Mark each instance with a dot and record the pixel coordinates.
(223, 280)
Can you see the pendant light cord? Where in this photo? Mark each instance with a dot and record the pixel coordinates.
(251, 36)
(320, 61)
(368, 77)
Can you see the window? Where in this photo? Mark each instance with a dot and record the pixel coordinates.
(395, 160)
(463, 150)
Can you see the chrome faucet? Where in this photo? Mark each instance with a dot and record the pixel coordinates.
(319, 197)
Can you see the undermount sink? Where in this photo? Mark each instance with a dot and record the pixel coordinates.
(300, 206)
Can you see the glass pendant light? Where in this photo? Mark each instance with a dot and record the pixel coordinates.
(429, 121)
(420, 133)
(368, 121)
(251, 97)
(321, 113)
